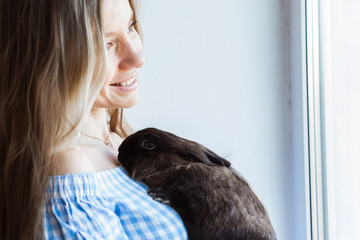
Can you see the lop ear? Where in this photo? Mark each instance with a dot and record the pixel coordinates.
(216, 159)
(193, 151)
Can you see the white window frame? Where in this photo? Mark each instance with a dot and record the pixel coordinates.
(316, 188)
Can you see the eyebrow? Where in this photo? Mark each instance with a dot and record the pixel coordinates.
(112, 33)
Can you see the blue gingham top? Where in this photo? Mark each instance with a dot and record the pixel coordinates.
(106, 205)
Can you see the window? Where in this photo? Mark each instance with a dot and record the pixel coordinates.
(333, 90)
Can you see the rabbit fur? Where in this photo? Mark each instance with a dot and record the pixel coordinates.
(213, 200)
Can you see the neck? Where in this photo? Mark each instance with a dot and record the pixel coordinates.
(96, 124)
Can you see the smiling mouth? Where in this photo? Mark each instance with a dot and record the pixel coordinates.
(125, 83)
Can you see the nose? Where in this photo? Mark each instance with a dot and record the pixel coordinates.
(130, 56)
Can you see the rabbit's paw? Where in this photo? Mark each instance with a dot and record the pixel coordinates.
(160, 195)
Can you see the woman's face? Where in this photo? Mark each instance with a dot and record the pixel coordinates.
(124, 49)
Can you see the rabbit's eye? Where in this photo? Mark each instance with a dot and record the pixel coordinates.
(148, 144)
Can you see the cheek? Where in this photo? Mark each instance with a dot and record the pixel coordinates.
(110, 70)
(138, 43)
(103, 96)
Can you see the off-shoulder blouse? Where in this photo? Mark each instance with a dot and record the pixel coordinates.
(106, 205)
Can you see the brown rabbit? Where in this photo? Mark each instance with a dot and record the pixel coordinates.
(213, 200)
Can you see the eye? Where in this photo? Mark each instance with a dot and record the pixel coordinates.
(148, 144)
(109, 45)
(132, 26)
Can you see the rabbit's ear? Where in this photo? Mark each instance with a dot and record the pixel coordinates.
(193, 151)
(216, 159)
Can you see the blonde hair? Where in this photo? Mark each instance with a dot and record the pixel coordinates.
(117, 123)
(51, 70)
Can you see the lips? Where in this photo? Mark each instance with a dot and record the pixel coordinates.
(125, 83)
(127, 86)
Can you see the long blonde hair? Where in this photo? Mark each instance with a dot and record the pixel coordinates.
(51, 70)
(117, 123)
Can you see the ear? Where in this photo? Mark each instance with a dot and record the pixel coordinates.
(193, 151)
(216, 159)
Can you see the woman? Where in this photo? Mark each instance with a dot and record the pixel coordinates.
(66, 68)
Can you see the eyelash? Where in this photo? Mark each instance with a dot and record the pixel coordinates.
(131, 28)
(109, 44)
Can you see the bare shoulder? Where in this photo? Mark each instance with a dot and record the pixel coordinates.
(116, 140)
(88, 156)
(72, 160)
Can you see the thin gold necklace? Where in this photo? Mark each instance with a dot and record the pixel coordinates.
(106, 142)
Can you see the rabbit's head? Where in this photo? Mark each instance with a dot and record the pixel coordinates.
(151, 150)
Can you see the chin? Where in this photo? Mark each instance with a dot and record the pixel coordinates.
(128, 103)
(117, 102)
(125, 103)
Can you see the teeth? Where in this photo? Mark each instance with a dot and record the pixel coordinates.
(125, 84)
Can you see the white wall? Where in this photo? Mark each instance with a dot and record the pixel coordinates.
(218, 72)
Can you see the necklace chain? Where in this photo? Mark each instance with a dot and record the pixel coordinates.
(106, 142)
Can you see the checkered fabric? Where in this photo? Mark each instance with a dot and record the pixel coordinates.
(106, 205)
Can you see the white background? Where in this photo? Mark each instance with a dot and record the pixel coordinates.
(340, 35)
(219, 73)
